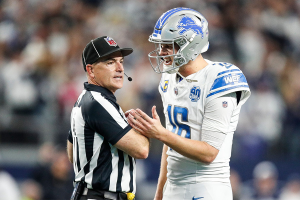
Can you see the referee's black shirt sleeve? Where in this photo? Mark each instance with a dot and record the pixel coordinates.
(98, 119)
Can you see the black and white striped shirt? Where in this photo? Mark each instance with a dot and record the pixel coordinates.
(97, 123)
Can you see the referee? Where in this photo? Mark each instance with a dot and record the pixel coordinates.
(102, 145)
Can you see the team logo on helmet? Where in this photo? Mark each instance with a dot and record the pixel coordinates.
(186, 23)
(110, 41)
(195, 94)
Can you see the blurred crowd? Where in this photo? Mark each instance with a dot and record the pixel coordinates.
(41, 73)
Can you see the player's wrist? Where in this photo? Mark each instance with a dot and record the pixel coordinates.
(163, 135)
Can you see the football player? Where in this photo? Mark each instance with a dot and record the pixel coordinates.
(202, 101)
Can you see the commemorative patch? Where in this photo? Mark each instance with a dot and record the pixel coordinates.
(195, 93)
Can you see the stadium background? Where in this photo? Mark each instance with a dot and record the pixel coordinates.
(41, 76)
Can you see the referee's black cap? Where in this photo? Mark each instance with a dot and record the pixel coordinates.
(101, 47)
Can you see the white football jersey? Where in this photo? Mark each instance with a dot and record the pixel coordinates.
(184, 107)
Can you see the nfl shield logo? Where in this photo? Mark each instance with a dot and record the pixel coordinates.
(176, 91)
(225, 104)
(110, 41)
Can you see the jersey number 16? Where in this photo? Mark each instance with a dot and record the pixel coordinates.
(184, 118)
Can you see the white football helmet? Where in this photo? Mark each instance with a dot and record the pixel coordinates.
(185, 27)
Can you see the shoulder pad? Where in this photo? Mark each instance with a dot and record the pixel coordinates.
(227, 78)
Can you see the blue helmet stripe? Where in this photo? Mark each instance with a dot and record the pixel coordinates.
(161, 21)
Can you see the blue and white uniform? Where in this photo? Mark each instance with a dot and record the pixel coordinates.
(204, 106)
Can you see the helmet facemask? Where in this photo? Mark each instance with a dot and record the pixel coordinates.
(157, 60)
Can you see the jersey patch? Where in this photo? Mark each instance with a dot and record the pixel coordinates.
(195, 93)
(165, 87)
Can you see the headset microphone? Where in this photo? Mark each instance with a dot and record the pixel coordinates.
(129, 78)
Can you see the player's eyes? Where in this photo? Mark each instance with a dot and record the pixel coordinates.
(166, 47)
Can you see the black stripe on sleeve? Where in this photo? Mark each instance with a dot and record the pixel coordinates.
(99, 120)
(120, 135)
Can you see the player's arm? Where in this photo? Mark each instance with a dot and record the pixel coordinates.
(70, 151)
(203, 151)
(70, 147)
(152, 128)
(134, 144)
(162, 175)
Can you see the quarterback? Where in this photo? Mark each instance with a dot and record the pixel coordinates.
(202, 101)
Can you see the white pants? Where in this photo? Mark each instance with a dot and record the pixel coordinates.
(198, 191)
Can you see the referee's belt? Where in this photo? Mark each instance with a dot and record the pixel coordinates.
(108, 194)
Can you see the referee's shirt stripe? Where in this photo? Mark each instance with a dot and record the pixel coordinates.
(98, 140)
(114, 174)
(110, 109)
(126, 174)
(120, 170)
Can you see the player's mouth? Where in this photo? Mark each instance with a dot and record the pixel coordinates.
(167, 61)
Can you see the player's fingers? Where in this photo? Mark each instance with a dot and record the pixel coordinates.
(138, 117)
(144, 115)
(154, 113)
(135, 122)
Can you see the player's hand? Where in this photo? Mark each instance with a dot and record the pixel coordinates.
(150, 127)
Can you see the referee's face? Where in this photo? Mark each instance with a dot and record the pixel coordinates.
(109, 72)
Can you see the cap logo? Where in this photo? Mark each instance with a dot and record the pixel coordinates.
(110, 41)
